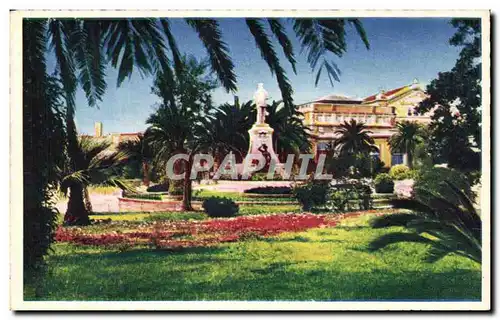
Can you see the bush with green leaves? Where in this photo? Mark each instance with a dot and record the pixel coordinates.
(384, 183)
(413, 174)
(312, 194)
(270, 190)
(262, 176)
(350, 197)
(219, 207)
(399, 172)
(162, 187)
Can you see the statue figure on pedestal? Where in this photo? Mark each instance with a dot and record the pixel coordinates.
(261, 134)
(260, 98)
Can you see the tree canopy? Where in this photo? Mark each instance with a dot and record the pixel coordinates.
(455, 102)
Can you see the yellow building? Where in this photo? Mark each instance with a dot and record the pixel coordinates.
(379, 112)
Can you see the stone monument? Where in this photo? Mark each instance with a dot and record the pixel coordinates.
(261, 134)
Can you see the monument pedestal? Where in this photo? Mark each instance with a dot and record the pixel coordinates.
(261, 142)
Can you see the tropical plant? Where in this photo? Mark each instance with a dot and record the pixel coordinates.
(43, 133)
(182, 125)
(432, 179)
(406, 139)
(230, 128)
(290, 135)
(94, 164)
(139, 154)
(446, 220)
(353, 138)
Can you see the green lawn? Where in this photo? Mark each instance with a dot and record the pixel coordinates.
(319, 264)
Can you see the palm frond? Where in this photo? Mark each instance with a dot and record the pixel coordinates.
(269, 55)
(321, 36)
(131, 42)
(60, 32)
(209, 33)
(280, 34)
(87, 45)
(173, 45)
(361, 31)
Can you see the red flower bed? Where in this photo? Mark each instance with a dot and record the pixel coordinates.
(205, 233)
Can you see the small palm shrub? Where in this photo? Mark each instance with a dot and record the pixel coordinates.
(384, 183)
(442, 216)
(219, 207)
(312, 194)
(399, 172)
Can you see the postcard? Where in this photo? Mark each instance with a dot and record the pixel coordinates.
(250, 160)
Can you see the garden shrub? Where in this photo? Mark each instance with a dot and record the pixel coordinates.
(218, 207)
(399, 172)
(349, 197)
(162, 187)
(145, 196)
(262, 176)
(413, 174)
(312, 194)
(270, 190)
(384, 183)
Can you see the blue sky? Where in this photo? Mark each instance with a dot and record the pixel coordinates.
(401, 49)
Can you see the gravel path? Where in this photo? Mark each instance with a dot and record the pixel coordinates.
(100, 202)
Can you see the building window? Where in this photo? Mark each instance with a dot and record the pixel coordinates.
(397, 158)
(322, 146)
(375, 155)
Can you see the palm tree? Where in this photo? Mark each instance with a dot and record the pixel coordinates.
(406, 139)
(353, 138)
(180, 123)
(449, 218)
(139, 154)
(43, 133)
(94, 164)
(290, 135)
(179, 131)
(230, 129)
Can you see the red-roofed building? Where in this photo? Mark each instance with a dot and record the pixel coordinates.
(380, 113)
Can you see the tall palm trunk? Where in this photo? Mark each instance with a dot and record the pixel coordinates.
(188, 186)
(76, 213)
(409, 157)
(145, 170)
